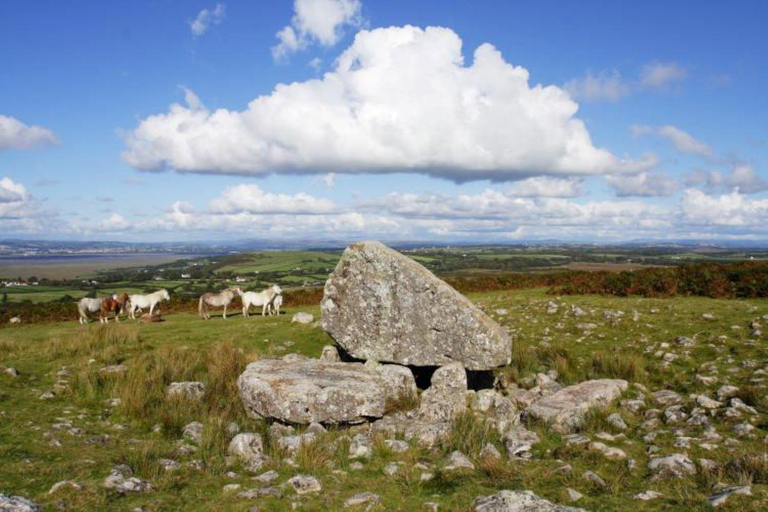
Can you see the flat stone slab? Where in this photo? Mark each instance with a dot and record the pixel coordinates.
(310, 390)
(381, 305)
(565, 409)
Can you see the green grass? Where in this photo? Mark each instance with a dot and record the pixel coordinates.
(187, 348)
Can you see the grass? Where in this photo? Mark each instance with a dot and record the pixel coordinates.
(216, 352)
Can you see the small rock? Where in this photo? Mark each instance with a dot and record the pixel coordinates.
(518, 501)
(573, 495)
(721, 497)
(305, 484)
(363, 498)
(489, 452)
(594, 479)
(647, 495)
(457, 461)
(59, 485)
(193, 431)
(616, 421)
(676, 465)
(330, 353)
(18, 504)
(192, 390)
(519, 441)
(302, 318)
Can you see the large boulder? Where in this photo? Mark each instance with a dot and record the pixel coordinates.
(565, 409)
(381, 305)
(311, 390)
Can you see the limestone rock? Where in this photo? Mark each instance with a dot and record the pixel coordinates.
(519, 442)
(676, 465)
(305, 484)
(381, 305)
(398, 380)
(721, 497)
(330, 354)
(122, 481)
(565, 409)
(518, 501)
(368, 499)
(248, 447)
(312, 391)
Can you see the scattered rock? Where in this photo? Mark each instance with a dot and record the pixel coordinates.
(122, 481)
(312, 391)
(594, 479)
(18, 504)
(647, 495)
(60, 485)
(367, 499)
(193, 431)
(249, 448)
(13, 372)
(518, 501)
(667, 397)
(676, 465)
(381, 305)
(302, 318)
(190, 390)
(456, 461)
(519, 441)
(721, 497)
(573, 494)
(617, 421)
(304, 484)
(607, 451)
(361, 446)
(489, 452)
(565, 409)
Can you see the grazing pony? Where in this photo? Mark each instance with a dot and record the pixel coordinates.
(138, 302)
(217, 300)
(274, 306)
(263, 299)
(114, 304)
(87, 305)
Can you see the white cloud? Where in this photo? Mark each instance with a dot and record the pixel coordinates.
(681, 140)
(317, 21)
(329, 179)
(20, 211)
(114, 223)
(16, 135)
(251, 199)
(741, 177)
(661, 75)
(726, 210)
(399, 100)
(643, 185)
(206, 18)
(608, 86)
(543, 186)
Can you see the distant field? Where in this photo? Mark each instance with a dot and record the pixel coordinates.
(69, 267)
(284, 261)
(610, 267)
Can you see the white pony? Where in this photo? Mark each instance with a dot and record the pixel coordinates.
(87, 305)
(274, 306)
(217, 300)
(263, 299)
(137, 302)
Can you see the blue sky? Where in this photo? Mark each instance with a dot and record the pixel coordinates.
(462, 121)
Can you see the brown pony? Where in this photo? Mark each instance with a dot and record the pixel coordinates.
(114, 304)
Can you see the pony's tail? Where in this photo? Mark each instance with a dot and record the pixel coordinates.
(200, 307)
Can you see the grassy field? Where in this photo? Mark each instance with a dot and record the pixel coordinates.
(78, 436)
(74, 267)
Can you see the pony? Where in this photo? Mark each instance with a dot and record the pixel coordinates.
(263, 299)
(137, 302)
(116, 304)
(274, 306)
(217, 300)
(87, 305)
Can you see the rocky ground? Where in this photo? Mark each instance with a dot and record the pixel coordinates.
(90, 417)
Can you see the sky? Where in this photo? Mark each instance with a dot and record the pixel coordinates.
(466, 121)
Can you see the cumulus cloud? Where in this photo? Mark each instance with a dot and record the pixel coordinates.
(681, 140)
(20, 211)
(114, 223)
(249, 198)
(206, 18)
(644, 184)
(543, 186)
(605, 86)
(317, 22)
(661, 75)
(726, 210)
(741, 177)
(399, 100)
(16, 135)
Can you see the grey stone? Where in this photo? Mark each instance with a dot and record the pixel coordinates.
(247, 447)
(676, 465)
(330, 354)
(397, 446)
(367, 499)
(193, 431)
(10, 503)
(361, 446)
(721, 497)
(191, 390)
(456, 461)
(446, 396)
(302, 318)
(565, 409)
(490, 452)
(381, 305)
(518, 501)
(617, 421)
(519, 441)
(647, 495)
(304, 484)
(667, 397)
(398, 380)
(312, 391)
(594, 479)
(122, 481)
